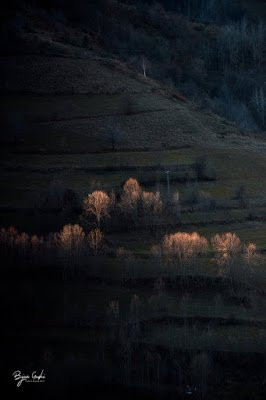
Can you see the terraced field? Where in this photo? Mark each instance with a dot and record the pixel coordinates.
(120, 308)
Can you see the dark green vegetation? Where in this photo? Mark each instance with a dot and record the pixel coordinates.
(126, 308)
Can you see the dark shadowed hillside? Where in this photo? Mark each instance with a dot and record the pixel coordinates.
(99, 79)
(211, 51)
(133, 198)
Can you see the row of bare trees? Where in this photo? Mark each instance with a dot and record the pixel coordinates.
(133, 202)
(126, 332)
(234, 259)
(68, 248)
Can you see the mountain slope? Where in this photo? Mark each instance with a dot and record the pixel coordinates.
(60, 103)
(72, 101)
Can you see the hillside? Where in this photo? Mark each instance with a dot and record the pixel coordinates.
(218, 64)
(68, 100)
(133, 212)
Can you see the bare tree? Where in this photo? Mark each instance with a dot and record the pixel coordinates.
(241, 196)
(98, 204)
(131, 196)
(114, 136)
(152, 203)
(23, 243)
(226, 245)
(251, 258)
(95, 240)
(71, 241)
(152, 206)
(127, 261)
(184, 246)
(112, 319)
(134, 316)
(8, 237)
(71, 237)
(228, 249)
(259, 103)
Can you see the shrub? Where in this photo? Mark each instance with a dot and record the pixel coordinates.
(57, 197)
(159, 285)
(192, 196)
(204, 169)
(196, 196)
(176, 198)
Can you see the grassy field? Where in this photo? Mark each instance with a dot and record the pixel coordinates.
(65, 143)
(79, 171)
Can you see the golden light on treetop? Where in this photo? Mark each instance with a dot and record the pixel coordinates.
(227, 245)
(132, 192)
(183, 245)
(98, 204)
(152, 203)
(132, 186)
(71, 237)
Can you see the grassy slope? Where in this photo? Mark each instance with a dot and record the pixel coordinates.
(71, 101)
(65, 123)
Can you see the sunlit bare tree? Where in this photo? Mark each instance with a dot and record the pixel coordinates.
(131, 196)
(98, 204)
(152, 203)
(183, 246)
(70, 240)
(226, 246)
